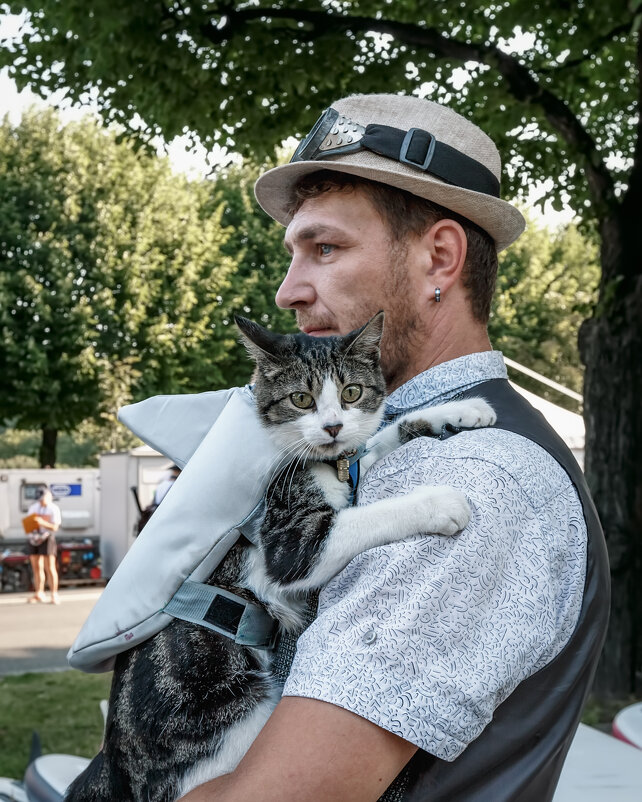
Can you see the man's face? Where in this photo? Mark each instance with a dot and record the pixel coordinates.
(345, 268)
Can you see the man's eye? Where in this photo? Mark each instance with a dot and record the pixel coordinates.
(302, 400)
(325, 249)
(351, 393)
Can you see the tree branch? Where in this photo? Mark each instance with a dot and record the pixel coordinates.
(519, 80)
(561, 273)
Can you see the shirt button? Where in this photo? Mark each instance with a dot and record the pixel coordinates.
(370, 637)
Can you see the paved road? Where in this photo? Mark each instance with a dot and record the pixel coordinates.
(36, 637)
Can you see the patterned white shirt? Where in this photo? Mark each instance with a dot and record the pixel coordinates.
(426, 637)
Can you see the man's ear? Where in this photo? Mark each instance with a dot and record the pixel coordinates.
(446, 248)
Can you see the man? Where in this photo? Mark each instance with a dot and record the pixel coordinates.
(166, 484)
(445, 668)
(42, 548)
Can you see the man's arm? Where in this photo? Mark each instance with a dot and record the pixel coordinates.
(312, 751)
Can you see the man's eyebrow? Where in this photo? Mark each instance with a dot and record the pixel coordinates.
(313, 232)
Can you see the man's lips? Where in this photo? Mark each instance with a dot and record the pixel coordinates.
(318, 331)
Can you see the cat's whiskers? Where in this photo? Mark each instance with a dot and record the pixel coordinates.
(292, 453)
(306, 451)
(292, 467)
(284, 456)
(282, 460)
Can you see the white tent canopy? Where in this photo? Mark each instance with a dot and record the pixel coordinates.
(569, 425)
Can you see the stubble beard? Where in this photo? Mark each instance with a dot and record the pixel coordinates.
(402, 332)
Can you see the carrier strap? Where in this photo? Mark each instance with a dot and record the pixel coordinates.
(246, 623)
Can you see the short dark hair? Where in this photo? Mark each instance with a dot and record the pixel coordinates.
(404, 214)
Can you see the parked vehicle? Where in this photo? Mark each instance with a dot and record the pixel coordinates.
(78, 563)
(75, 491)
(15, 572)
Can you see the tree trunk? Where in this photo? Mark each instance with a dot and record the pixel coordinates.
(47, 454)
(611, 349)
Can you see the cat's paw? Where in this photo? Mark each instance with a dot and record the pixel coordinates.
(470, 414)
(474, 413)
(440, 510)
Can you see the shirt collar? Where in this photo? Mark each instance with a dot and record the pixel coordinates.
(441, 383)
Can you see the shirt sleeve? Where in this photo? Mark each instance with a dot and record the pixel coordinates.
(427, 636)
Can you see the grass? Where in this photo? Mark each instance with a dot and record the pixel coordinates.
(601, 714)
(62, 706)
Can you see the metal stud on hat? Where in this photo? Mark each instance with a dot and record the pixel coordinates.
(406, 142)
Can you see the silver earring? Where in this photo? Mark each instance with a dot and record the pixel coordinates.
(437, 294)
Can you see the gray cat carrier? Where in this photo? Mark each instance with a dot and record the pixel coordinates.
(228, 460)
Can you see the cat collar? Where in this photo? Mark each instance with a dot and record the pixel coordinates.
(343, 466)
(345, 461)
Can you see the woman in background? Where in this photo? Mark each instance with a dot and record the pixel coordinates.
(42, 547)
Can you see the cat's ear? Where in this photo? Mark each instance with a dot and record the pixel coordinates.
(368, 337)
(260, 343)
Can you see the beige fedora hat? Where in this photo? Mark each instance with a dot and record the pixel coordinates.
(448, 160)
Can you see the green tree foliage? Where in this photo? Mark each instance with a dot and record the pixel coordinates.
(547, 284)
(247, 75)
(111, 277)
(255, 242)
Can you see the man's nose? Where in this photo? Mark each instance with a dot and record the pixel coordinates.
(294, 291)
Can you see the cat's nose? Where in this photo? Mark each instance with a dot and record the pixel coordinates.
(334, 429)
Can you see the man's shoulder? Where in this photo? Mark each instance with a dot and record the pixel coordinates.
(478, 456)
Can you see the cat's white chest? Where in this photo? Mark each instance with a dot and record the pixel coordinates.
(336, 493)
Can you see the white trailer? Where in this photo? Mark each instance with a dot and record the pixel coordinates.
(75, 490)
(141, 468)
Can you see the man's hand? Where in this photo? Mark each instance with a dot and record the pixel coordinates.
(312, 751)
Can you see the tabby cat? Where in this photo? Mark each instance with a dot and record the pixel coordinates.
(186, 704)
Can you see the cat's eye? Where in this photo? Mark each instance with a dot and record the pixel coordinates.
(302, 400)
(351, 393)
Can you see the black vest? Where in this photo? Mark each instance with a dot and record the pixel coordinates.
(519, 756)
